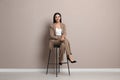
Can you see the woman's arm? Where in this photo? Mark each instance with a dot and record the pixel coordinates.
(64, 31)
(52, 35)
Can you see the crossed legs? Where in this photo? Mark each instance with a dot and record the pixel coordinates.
(64, 46)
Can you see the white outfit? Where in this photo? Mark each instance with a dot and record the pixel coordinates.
(58, 31)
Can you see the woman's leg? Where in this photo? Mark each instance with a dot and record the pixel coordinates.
(62, 48)
(68, 49)
(51, 44)
(67, 46)
(62, 51)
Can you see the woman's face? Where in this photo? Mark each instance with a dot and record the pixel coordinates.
(57, 18)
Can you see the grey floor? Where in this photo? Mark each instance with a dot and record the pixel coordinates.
(61, 76)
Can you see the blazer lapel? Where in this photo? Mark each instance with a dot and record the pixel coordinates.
(61, 25)
(54, 27)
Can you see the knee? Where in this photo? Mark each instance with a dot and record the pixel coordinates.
(51, 44)
(62, 45)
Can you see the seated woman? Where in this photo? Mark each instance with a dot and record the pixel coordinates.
(58, 37)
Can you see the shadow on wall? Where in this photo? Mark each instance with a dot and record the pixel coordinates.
(44, 51)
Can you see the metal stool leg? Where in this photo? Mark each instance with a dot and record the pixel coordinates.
(59, 59)
(56, 62)
(48, 62)
(68, 65)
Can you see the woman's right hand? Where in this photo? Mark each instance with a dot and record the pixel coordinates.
(62, 38)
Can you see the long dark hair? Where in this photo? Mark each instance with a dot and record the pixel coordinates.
(57, 13)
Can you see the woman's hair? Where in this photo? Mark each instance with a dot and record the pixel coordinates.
(57, 13)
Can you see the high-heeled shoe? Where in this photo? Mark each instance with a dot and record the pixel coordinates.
(74, 61)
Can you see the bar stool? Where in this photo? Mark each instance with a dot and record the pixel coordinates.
(57, 61)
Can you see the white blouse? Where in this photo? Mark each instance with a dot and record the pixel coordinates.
(58, 31)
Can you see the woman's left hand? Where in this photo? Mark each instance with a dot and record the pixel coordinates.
(62, 38)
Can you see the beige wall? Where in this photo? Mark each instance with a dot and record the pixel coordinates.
(93, 29)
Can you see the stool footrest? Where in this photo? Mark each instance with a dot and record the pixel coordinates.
(62, 63)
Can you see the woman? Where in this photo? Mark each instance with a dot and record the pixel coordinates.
(58, 37)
